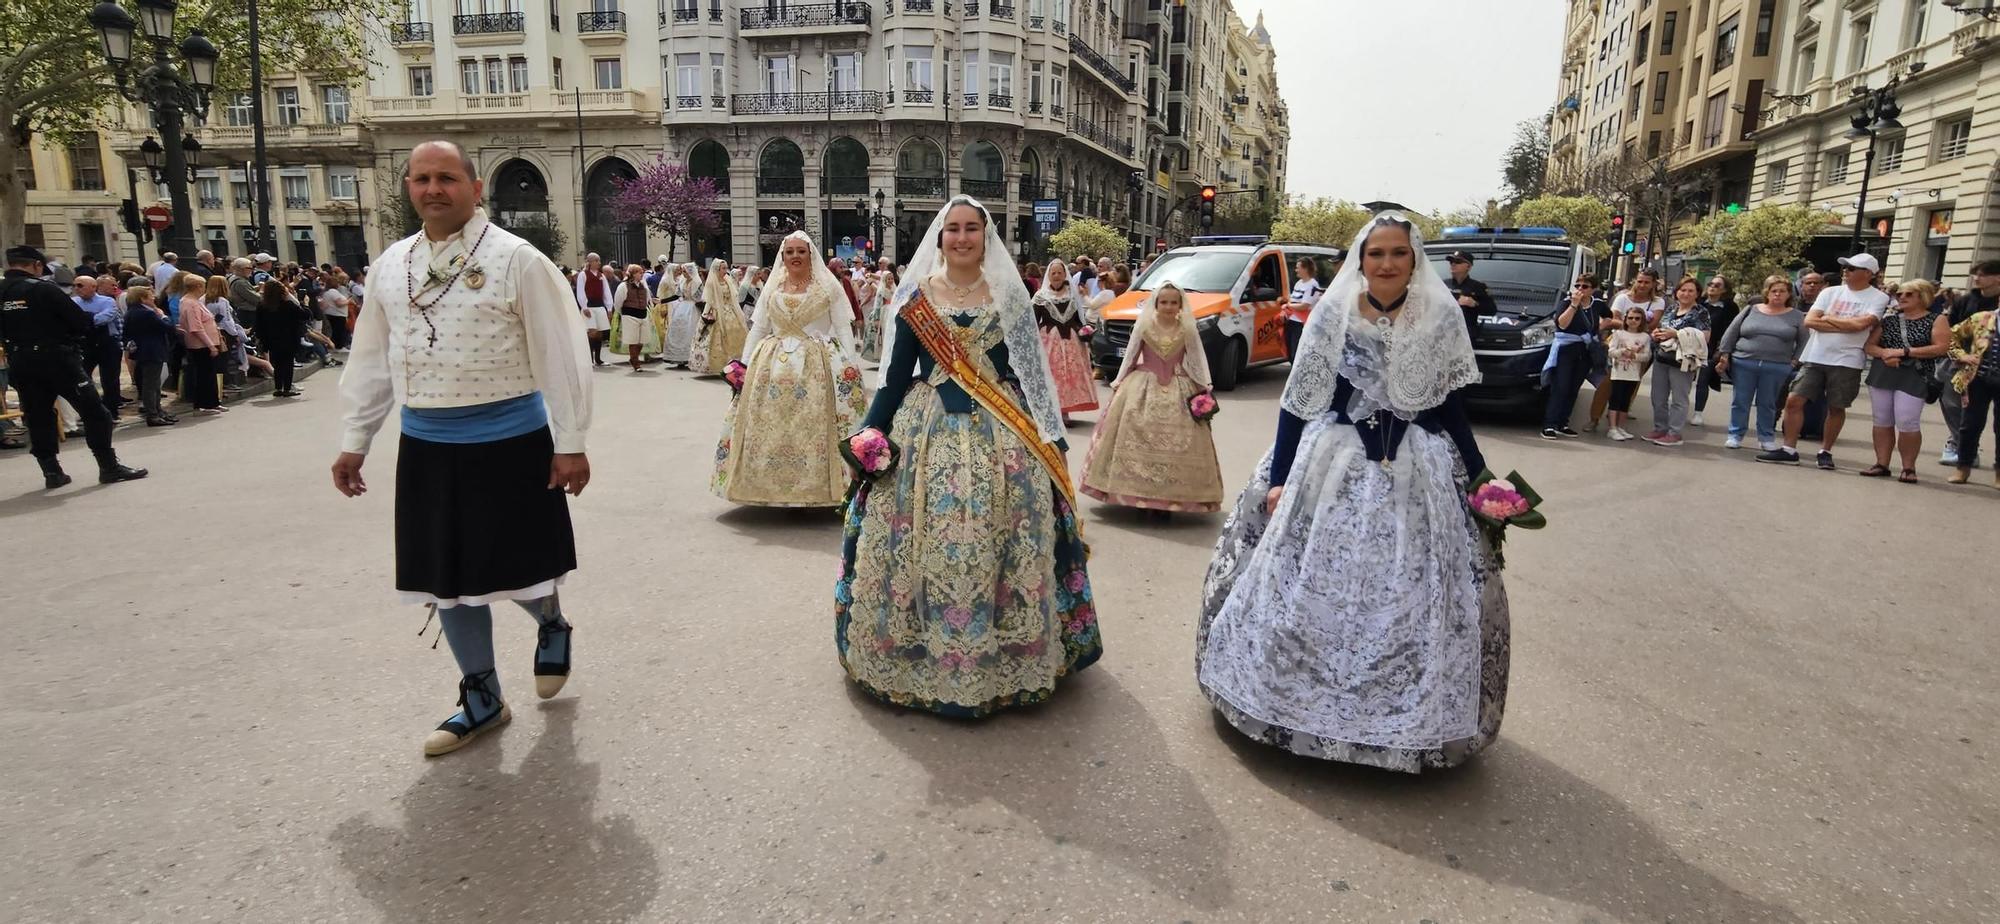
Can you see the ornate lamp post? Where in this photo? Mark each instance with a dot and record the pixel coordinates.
(878, 216)
(1988, 10)
(162, 87)
(1877, 114)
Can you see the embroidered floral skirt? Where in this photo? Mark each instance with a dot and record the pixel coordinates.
(1364, 622)
(720, 342)
(780, 442)
(1069, 363)
(963, 587)
(629, 331)
(683, 324)
(1148, 451)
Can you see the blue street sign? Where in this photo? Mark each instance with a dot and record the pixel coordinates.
(1048, 214)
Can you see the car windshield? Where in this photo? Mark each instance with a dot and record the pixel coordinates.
(1196, 270)
(1538, 274)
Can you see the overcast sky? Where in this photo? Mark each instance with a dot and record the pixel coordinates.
(1413, 101)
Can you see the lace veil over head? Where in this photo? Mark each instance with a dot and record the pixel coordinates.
(1194, 362)
(824, 289)
(1010, 299)
(1428, 355)
(1064, 307)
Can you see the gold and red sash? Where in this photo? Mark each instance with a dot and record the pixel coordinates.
(934, 332)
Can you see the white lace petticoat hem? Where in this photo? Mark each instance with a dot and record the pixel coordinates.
(530, 592)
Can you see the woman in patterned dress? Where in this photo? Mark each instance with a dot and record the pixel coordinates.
(1354, 611)
(1148, 450)
(722, 327)
(632, 308)
(802, 391)
(678, 292)
(1059, 314)
(963, 586)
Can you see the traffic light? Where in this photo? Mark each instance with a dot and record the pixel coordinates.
(1206, 208)
(128, 215)
(1134, 181)
(1734, 208)
(1617, 222)
(1630, 248)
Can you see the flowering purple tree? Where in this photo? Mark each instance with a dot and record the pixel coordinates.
(668, 200)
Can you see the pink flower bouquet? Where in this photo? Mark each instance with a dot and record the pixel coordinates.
(1085, 332)
(1203, 406)
(733, 374)
(1499, 503)
(870, 453)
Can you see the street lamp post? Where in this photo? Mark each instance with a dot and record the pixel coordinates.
(877, 217)
(1988, 10)
(164, 89)
(1877, 114)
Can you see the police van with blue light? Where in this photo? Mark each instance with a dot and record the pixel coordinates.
(1526, 271)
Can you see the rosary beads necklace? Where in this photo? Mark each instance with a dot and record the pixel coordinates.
(424, 308)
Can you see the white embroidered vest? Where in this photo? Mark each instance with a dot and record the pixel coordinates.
(480, 352)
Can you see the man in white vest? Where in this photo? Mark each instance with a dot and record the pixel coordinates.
(475, 334)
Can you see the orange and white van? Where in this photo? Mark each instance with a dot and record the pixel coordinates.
(1238, 289)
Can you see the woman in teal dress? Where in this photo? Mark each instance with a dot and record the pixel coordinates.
(963, 587)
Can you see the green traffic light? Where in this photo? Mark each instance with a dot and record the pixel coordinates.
(1734, 208)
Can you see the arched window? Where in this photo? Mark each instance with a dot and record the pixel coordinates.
(920, 169)
(711, 160)
(781, 170)
(846, 168)
(985, 171)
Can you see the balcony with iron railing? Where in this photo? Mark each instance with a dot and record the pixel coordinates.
(684, 101)
(1100, 136)
(1034, 107)
(922, 187)
(488, 24)
(1001, 10)
(838, 101)
(918, 6)
(681, 14)
(1000, 100)
(922, 97)
(781, 185)
(1032, 189)
(971, 9)
(838, 185)
(608, 24)
(410, 33)
(1059, 27)
(1038, 22)
(809, 17)
(211, 202)
(989, 190)
(1078, 48)
(297, 202)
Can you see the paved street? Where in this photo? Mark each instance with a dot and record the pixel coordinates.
(1740, 693)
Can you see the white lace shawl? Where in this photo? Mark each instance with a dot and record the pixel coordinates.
(1059, 308)
(1429, 351)
(1194, 362)
(824, 290)
(1010, 298)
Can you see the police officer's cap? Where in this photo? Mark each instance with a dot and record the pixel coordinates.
(1459, 256)
(22, 253)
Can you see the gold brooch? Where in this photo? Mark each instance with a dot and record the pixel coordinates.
(474, 278)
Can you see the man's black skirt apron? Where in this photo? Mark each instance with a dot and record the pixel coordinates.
(477, 522)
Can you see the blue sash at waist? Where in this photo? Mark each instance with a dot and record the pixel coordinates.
(477, 423)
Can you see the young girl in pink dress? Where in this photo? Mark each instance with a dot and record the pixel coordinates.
(1059, 313)
(1149, 451)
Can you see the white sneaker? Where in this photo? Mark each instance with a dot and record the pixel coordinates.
(1734, 442)
(1695, 421)
(1620, 434)
(1767, 445)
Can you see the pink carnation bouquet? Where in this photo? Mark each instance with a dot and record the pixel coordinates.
(1085, 332)
(1499, 503)
(733, 374)
(1203, 406)
(870, 453)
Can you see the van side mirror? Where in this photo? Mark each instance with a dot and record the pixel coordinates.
(1261, 295)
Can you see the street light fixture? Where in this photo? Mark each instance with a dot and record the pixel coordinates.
(192, 146)
(1988, 10)
(150, 150)
(876, 218)
(1877, 114)
(163, 88)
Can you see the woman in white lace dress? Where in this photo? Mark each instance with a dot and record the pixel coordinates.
(1353, 610)
(681, 291)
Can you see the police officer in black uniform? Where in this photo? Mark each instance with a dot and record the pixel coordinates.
(1472, 296)
(44, 333)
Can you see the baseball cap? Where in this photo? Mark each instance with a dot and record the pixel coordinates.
(1864, 261)
(262, 258)
(1458, 256)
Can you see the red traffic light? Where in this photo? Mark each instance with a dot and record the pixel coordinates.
(1208, 194)
(1617, 221)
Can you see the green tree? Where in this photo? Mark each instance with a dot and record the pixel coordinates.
(1329, 222)
(1751, 245)
(1585, 219)
(397, 215)
(54, 81)
(1525, 166)
(541, 230)
(1088, 237)
(1245, 214)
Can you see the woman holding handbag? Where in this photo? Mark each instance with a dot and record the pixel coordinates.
(1901, 351)
(1977, 352)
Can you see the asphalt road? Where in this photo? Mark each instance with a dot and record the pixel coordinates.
(1740, 693)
